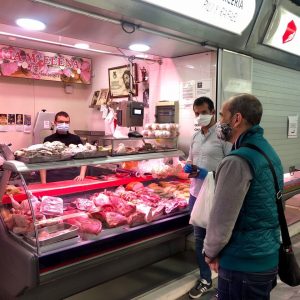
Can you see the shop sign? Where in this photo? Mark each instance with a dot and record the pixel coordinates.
(284, 32)
(230, 15)
(33, 64)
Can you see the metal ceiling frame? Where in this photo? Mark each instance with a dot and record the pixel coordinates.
(121, 23)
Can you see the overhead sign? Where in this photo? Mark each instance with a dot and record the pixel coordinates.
(284, 32)
(33, 64)
(229, 15)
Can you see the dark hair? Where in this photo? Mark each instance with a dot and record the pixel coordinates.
(61, 113)
(248, 106)
(201, 100)
(126, 72)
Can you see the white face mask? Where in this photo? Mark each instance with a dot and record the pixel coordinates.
(62, 127)
(203, 120)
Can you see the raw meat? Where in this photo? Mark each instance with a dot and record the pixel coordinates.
(85, 204)
(134, 186)
(170, 206)
(102, 201)
(122, 206)
(52, 206)
(90, 226)
(136, 219)
(112, 219)
(146, 210)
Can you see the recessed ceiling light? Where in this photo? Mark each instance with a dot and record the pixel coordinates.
(190, 66)
(31, 24)
(82, 46)
(139, 47)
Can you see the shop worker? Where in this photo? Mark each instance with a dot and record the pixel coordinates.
(206, 152)
(243, 235)
(62, 134)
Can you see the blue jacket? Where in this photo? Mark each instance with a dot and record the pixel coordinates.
(255, 240)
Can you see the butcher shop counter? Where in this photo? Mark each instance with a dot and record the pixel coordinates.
(62, 238)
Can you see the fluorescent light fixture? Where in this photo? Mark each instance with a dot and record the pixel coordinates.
(82, 46)
(141, 55)
(139, 47)
(30, 24)
(48, 42)
(190, 66)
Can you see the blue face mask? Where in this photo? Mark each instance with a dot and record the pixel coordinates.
(62, 127)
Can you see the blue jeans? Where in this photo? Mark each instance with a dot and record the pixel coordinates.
(199, 234)
(234, 285)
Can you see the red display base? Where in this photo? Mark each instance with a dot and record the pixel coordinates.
(67, 187)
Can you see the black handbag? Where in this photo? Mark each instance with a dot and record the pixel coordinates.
(288, 269)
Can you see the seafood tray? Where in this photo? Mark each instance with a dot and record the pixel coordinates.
(91, 154)
(53, 234)
(42, 158)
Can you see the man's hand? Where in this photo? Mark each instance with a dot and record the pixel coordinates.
(213, 263)
(79, 178)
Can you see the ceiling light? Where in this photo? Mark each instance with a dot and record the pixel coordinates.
(31, 24)
(190, 66)
(139, 47)
(82, 46)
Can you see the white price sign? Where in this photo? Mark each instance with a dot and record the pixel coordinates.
(230, 15)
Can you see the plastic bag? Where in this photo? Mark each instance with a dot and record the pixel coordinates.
(204, 202)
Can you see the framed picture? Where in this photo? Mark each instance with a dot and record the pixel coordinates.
(103, 97)
(119, 81)
(95, 98)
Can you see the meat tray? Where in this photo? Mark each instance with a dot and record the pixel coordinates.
(91, 154)
(53, 234)
(42, 158)
(143, 151)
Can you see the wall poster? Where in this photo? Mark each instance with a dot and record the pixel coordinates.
(119, 81)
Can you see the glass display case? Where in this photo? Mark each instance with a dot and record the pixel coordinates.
(127, 146)
(115, 204)
(62, 235)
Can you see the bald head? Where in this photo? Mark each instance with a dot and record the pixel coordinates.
(248, 106)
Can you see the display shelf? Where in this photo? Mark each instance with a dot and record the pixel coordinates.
(17, 166)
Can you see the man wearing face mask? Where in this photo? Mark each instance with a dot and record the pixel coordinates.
(243, 235)
(62, 134)
(206, 152)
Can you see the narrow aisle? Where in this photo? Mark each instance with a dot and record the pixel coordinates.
(281, 292)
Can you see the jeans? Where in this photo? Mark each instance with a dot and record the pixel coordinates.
(199, 234)
(234, 285)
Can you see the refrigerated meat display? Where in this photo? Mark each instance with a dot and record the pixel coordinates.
(63, 237)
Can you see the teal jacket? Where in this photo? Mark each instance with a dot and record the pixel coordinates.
(255, 240)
